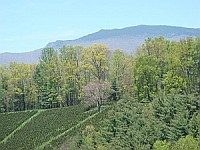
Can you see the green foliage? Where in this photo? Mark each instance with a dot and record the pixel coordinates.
(146, 73)
(186, 143)
(173, 83)
(194, 125)
(58, 79)
(70, 74)
(125, 127)
(175, 112)
(159, 88)
(117, 72)
(47, 78)
(134, 125)
(95, 61)
(161, 145)
(176, 67)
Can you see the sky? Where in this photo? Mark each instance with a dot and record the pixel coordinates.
(27, 25)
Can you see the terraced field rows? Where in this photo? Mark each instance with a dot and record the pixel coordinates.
(10, 121)
(47, 125)
(63, 139)
(20, 127)
(66, 132)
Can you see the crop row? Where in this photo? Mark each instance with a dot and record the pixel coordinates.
(10, 121)
(46, 125)
(95, 121)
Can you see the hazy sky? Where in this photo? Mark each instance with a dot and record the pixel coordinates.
(27, 25)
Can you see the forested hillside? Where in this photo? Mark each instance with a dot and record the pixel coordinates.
(154, 94)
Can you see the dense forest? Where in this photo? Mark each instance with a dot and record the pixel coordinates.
(154, 93)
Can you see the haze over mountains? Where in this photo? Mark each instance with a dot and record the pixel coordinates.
(127, 39)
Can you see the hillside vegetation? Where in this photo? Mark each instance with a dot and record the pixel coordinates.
(154, 98)
(10, 121)
(157, 125)
(43, 128)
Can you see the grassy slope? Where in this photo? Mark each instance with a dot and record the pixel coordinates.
(45, 126)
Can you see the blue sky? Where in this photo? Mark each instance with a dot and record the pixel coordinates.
(27, 25)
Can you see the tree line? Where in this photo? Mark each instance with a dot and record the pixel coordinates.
(69, 75)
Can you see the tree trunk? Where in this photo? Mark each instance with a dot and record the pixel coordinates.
(98, 106)
(13, 106)
(7, 106)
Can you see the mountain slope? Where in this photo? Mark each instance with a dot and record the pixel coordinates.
(150, 30)
(27, 57)
(128, 39)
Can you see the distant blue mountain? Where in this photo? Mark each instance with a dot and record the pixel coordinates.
(127, 39)
(143, 30)
(26, 57)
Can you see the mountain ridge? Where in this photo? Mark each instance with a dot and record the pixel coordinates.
(135, 29)
(128, 39)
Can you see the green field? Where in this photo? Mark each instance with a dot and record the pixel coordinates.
(47, 127)
(10, 121)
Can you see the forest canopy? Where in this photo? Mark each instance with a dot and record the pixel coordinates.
(160, 67)
(155, 92)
